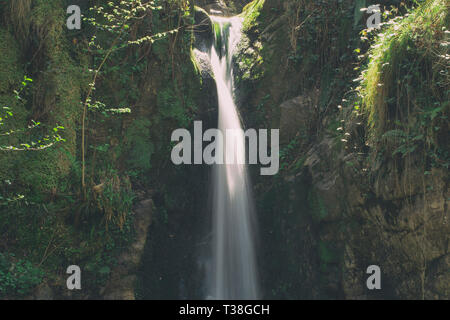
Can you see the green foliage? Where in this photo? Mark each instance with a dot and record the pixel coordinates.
(251, 65)
(119, 20)
(40, 144)
(18, 277)
(18, 137)
(172, 106)
(288, 152)
(51, 98)
(405, 89)
(54, 225)
(251, 13)
(398, 54)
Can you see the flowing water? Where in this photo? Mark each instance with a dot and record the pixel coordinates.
(233, 273)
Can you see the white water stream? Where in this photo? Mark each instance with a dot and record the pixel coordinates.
(233, 273)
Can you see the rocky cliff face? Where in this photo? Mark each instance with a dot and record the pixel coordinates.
(336, 215)
(340, 204)
(389, 220)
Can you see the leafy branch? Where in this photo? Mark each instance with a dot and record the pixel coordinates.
(118, 20)
(43, 143)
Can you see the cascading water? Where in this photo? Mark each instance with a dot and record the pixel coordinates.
(233, 273)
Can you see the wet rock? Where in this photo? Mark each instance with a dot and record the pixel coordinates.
(298, 117)
(218, 8)
(203, 30)
(203, 64)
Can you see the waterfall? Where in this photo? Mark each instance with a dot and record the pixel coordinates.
(233, 273)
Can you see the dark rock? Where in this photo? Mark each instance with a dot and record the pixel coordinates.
(217, 8)
(298, 117)
(43, 292)
(121, 285)
(203, 30)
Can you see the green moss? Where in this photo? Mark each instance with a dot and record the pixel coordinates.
(251, 13)
(48, 16)
(10, 75)
(195, 64)
(405, 88)
(53, 98)
(60, 98)
(251, 65)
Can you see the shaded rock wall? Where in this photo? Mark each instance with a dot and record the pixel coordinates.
(334, 209)
(404, 233)
(332, 217)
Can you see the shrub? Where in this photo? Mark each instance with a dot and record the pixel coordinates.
(17, 277)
